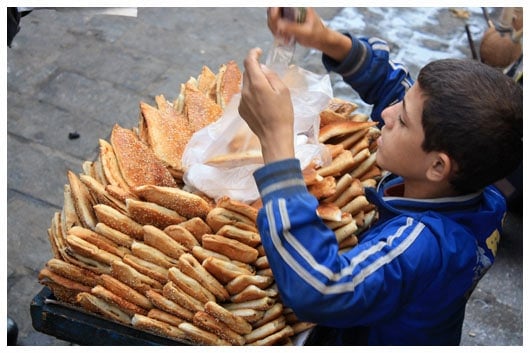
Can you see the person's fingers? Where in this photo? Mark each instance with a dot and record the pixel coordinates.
(242, 108)
(246, 80)
(306, 33)
(251, 62)
(311, 15)
(272, 77)
(253, 68)
(293, 28)
(258, 77)
(273, 14)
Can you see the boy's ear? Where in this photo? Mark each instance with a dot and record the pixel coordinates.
(441, 167)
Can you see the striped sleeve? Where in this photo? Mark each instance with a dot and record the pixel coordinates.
(314, 280)
(369, 70)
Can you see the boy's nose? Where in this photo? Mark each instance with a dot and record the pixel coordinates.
(387, 116)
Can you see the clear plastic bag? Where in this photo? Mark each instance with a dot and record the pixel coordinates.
(282, 51)
(220, 158)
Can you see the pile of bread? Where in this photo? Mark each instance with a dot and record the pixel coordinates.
(134, 245)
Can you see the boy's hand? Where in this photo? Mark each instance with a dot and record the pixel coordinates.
(312, 33)
(267, 108)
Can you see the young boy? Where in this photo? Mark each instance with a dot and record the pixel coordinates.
(445, 138)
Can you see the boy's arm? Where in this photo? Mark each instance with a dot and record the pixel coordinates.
(363, 63)
(369, 71)
(318, 283)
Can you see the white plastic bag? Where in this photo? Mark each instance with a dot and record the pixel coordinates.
(230, 135)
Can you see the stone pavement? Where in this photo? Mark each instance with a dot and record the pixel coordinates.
(68, 72)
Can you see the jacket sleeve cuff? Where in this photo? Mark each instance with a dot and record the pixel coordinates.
(354, 61)
(280, 179)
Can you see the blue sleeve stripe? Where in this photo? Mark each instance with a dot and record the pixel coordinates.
(336, 287)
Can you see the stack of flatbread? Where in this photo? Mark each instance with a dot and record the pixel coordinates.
(135, 246)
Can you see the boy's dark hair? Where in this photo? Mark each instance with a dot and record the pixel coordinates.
(474, 113)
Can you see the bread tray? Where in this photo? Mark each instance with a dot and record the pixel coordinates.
(72, 324)
(75, 325)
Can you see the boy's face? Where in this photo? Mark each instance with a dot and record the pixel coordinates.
(399, 146)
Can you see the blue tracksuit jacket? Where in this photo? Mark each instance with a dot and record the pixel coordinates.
(408, 279)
